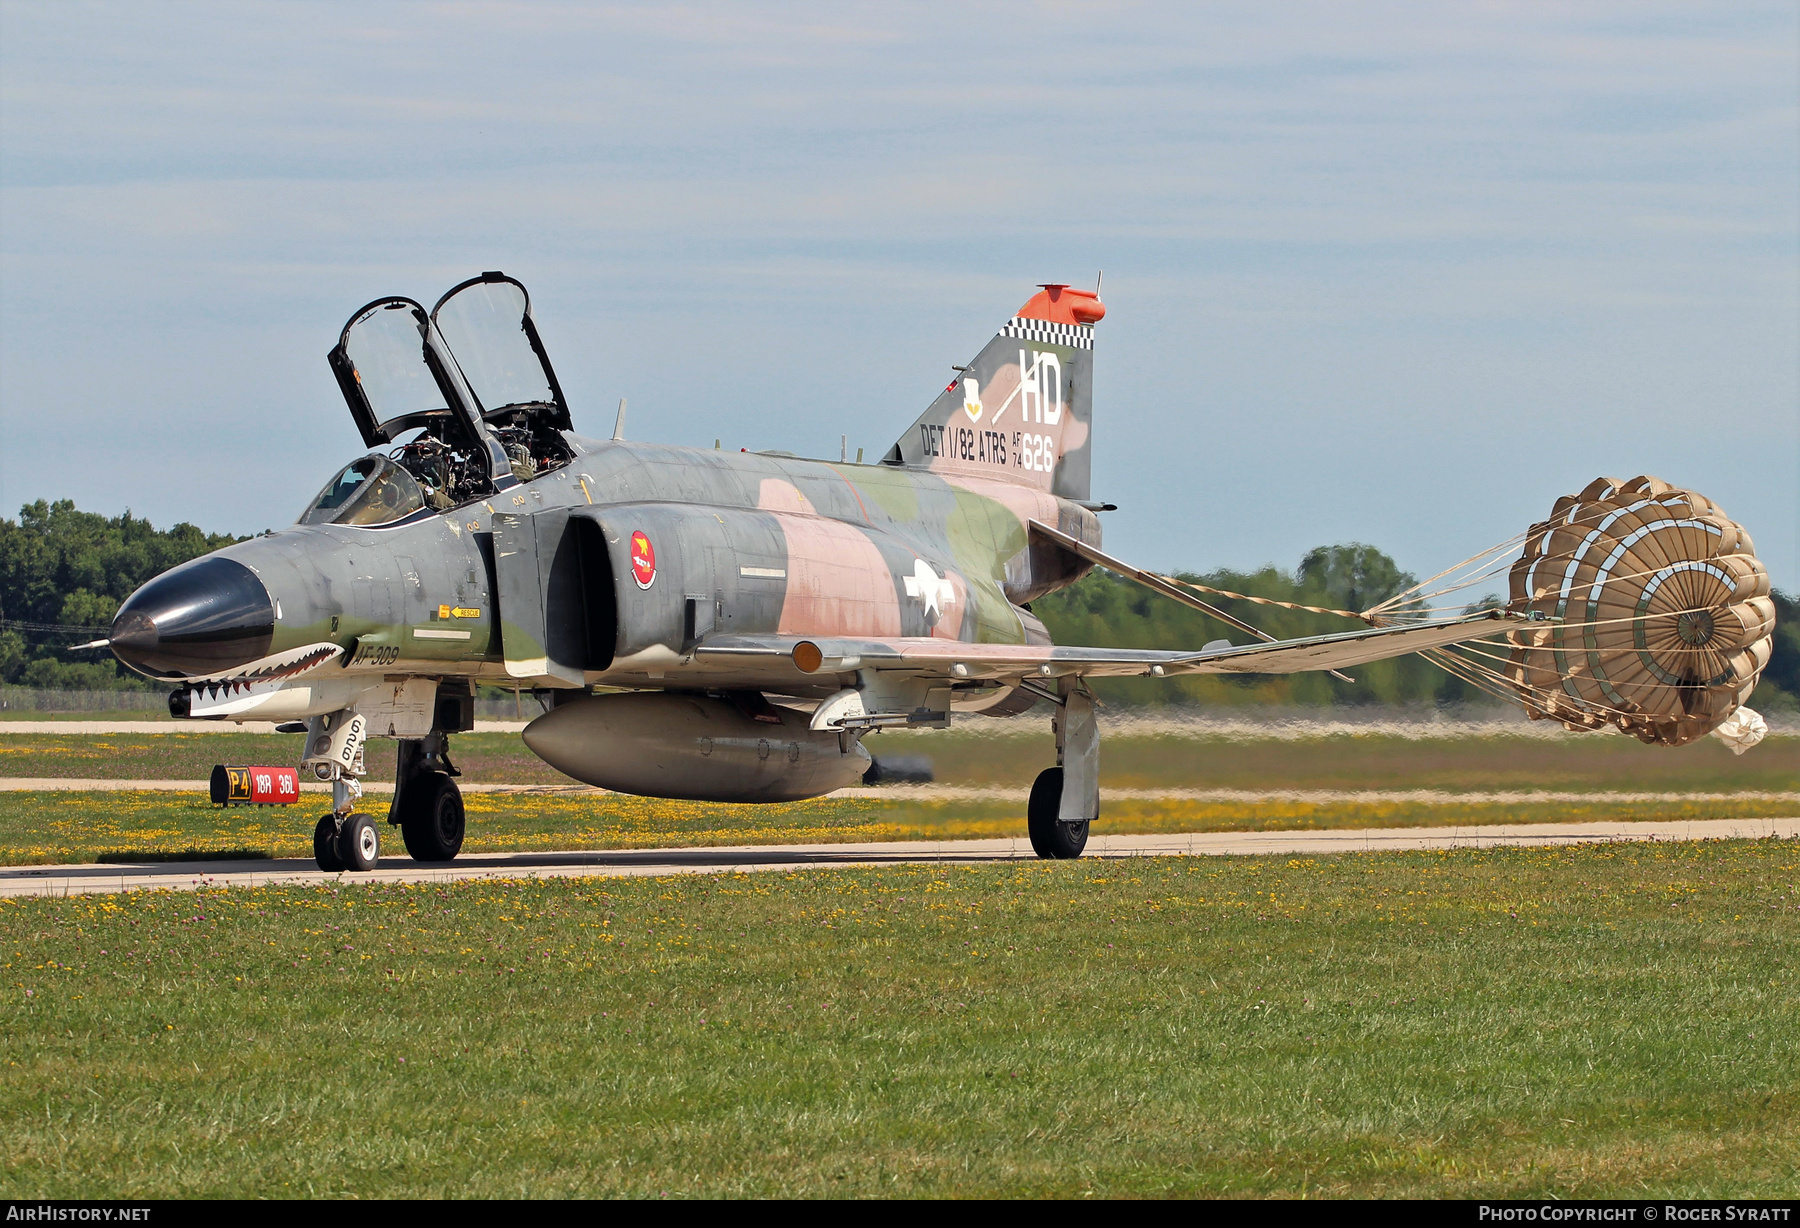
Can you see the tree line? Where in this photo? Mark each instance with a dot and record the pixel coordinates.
(60, 567)
(1108, 611)
(64, 573)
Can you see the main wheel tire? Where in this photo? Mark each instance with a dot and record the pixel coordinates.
(358, 843)
(431, 818)
(325, 844)
(1051, 838)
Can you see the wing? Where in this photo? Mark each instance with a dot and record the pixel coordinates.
(789, 658)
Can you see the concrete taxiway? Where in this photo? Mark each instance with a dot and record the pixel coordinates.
(186, 727)
(86, 879)
(1279, 726)
(962, 793)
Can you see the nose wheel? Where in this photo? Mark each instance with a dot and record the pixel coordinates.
(325, 844)
(350, 843)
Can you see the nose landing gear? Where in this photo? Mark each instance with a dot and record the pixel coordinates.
(343, 840)
(358, 844)
(325, 844)
(349, 842)
(427, 806)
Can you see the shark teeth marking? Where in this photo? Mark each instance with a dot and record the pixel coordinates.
(277, 668)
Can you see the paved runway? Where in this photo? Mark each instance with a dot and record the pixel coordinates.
(1280, 726)
(84, 879)
(102, 726)
(960, 793)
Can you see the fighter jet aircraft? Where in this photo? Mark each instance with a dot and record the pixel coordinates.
(752, 614)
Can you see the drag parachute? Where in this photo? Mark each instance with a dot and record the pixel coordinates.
(1636, 606)
(1657, 616)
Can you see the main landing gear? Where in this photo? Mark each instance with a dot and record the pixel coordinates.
(428, 807)
(431, 818)
(1066, 798)
(1051, 838)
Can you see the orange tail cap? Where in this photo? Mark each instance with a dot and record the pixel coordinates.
(1064, 305)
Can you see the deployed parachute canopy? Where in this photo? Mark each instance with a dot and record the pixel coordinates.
(1658, 617)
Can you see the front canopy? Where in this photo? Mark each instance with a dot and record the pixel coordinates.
(397, 375)
(369, 491)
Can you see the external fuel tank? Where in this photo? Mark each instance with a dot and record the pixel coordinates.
(680, 745)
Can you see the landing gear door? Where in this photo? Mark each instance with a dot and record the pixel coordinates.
(487, 324)
(523, 580)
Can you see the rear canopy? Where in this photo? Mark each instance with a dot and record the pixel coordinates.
(486, 322)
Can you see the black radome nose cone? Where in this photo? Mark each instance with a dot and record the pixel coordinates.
(202, 618)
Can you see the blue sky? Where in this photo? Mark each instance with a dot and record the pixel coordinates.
(1396, 273)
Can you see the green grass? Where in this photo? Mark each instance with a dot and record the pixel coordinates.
(62, 827)
(158, 712)
(1365, 761)
(1372, 761)
(1598, 1021)
(50, 828)
(188, 754)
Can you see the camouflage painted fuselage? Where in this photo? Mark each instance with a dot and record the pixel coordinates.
(739, 543)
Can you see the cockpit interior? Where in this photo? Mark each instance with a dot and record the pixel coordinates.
(463, 398)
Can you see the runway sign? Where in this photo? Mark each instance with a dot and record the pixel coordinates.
(254, 786)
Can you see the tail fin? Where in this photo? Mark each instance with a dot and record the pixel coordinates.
(1022, 409)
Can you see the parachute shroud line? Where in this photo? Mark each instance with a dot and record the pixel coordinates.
(1645, 610)
(1168, 586)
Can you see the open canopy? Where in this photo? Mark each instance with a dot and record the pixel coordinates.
(396, 374)
(472, 373)
(471, 376)
(486, 323)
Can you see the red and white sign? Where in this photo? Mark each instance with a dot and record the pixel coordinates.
(643, 560)
(274, 786)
